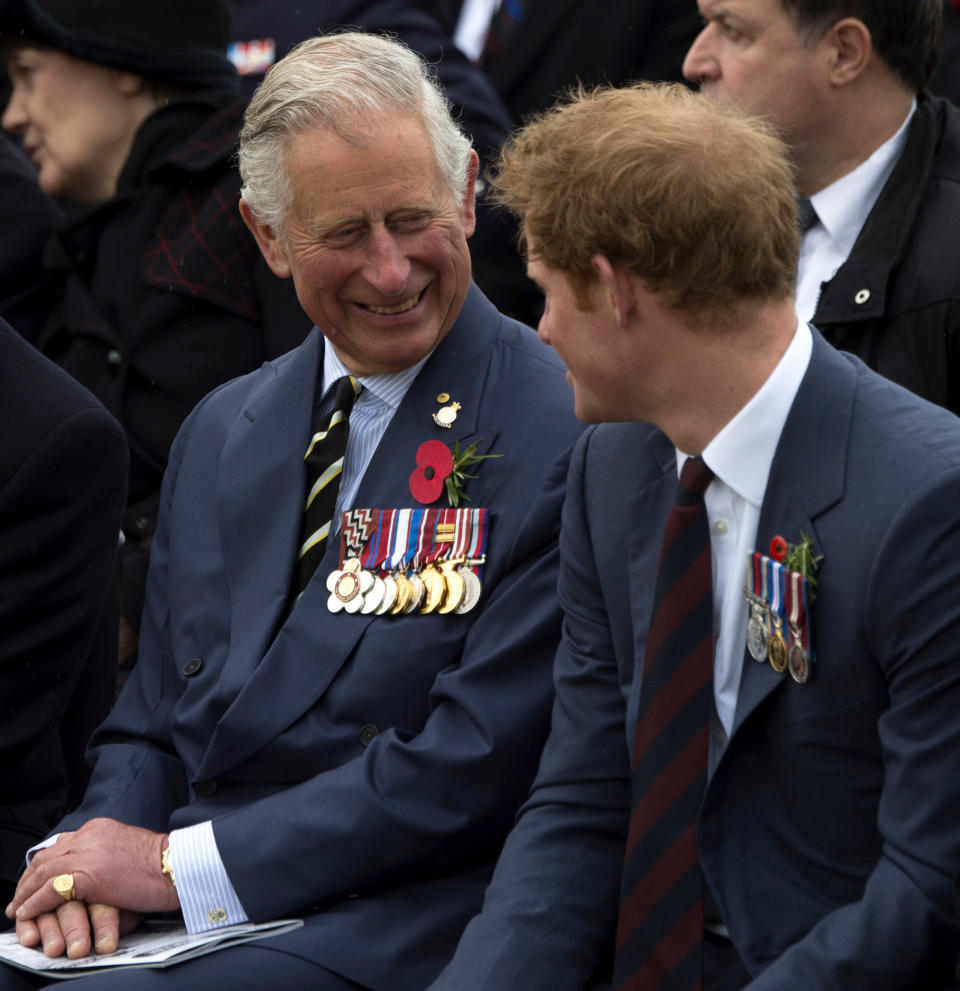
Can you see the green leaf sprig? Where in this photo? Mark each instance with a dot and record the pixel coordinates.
(800, 557)
(457, 478)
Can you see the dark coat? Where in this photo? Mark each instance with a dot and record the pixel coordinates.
(29, 218)
(895, 302)
(561, 42)
(63, 470)
(165, 294)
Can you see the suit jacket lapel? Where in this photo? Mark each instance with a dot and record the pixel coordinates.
(298, 666)
(649, 505)
(260, 530)
(807, 477)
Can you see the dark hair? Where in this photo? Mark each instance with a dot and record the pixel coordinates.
(906, 34)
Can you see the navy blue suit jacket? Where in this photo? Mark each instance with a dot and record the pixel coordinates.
(385, 839)
(830, 830)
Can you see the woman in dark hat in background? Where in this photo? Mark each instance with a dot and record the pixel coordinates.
(130, 114)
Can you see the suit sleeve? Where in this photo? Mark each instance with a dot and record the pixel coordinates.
(902, 932)
(552, 905)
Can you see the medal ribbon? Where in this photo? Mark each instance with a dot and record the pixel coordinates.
(807, 634)
(794, 608)
(779, 590)
(370, 558)
(766, 565)
(413, 540)
(425, 538)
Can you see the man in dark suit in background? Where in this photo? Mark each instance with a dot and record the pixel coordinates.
(556, 44)
(877, 156)
(766, 773)
(63, 471)
(354, 752)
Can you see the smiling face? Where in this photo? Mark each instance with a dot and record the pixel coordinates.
(75, 121)
(750, 54)
(375, 241)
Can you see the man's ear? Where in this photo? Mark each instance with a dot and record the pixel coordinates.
(850, 46)
(272, 247)
(618, 284)
(468, 214)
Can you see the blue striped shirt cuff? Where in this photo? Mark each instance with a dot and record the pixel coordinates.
(207, 898)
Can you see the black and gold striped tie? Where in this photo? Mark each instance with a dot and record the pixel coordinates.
(324, 460)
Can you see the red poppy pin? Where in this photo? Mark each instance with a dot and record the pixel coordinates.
(797, 557)
(438, 469)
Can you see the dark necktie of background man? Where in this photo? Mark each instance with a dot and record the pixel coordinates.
(660, 928)
(806, 215)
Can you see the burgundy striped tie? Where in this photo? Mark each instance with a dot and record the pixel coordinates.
(660, 929)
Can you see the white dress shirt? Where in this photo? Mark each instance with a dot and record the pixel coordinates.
(740, 457)
(842, 210)
(473, 26)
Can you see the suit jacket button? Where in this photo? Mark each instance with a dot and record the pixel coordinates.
(192, 666)
(368, 734)
(114, 358)
(206, 789)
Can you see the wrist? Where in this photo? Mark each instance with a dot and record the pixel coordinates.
(166, 861)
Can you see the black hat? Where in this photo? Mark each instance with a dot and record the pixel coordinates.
(182, 42)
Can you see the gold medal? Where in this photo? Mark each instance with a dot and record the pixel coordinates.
(416, 594)
(777, 651)
(403, 595)
(455, 587)
(434, 589)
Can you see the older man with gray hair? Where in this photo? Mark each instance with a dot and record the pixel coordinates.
(345, 670)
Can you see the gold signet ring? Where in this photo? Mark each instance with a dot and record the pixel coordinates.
(63, 886)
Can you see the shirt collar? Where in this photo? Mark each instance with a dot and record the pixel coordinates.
(741, 453)
(843, 206)
(388, 389)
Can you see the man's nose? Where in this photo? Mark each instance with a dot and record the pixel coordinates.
(699, 62)
(388, 267)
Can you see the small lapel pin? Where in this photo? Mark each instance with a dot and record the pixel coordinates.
(446, 415)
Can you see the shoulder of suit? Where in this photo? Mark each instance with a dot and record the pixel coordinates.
(924, 437)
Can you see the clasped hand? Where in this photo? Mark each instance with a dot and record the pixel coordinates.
(117, 878)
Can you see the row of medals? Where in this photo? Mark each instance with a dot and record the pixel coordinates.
(766, 642)
(440, 587)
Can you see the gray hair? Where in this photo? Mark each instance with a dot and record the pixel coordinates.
(331, 82)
